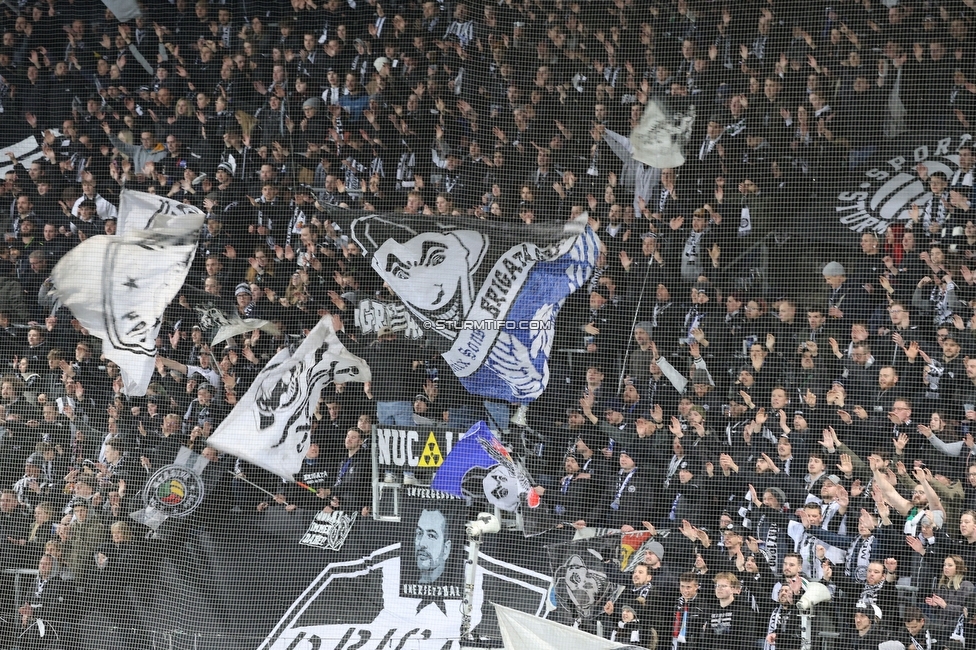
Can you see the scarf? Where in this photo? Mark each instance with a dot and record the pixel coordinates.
(680, 629)
(777, 622)
(870, 592)
(858, 558)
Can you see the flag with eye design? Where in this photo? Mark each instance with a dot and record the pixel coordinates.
(489, 291)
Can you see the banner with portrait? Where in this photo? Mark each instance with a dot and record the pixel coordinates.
(432, 553)
(487, 291)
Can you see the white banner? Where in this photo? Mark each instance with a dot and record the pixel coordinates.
(523, 630)
(270, 426)
(119, 286)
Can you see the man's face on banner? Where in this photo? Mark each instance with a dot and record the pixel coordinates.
(432, 546)
(501, 488)
(430, 271)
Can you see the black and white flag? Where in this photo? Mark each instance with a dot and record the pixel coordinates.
(219, 319)
(661, 134)
(489, 290)
(119, 286)
(271, 424)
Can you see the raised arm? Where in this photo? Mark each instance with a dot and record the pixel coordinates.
(895, 500)
(172, 365)
(619, 145)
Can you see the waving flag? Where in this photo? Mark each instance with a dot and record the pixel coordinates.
(219, 319)
(119, 286)
(123, 10)
(140, 210)
(490, 290)
(661, 134)
(478, 448)
(271, 424)
(479, 465)
(25, 152)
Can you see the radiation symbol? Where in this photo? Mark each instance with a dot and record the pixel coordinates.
(432, 456)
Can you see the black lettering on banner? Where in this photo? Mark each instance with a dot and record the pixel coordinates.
(364, 636)
(412, 447)
(345, 638)
(406, 636)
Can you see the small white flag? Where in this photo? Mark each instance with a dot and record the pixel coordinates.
(123, 10)
(271, 424)
(660, 135)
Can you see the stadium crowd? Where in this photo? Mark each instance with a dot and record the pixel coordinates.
(761, 436)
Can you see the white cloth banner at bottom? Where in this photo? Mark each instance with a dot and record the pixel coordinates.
(521, 630)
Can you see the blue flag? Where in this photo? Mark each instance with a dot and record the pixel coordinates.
(490, 290)
(469, 453)
(480, 466)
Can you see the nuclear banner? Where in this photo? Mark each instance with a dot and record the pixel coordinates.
(413, 448)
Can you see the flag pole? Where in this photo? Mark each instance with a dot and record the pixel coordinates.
(633, 324)
(252, 484)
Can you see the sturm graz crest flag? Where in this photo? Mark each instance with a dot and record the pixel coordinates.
(271, 424)
(490, 290)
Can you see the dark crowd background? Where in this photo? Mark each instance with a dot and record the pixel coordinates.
(767, 392)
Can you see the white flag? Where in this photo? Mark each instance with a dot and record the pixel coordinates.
(119, 286)
(25, 152)
(219, 318)
(123, 10)
(658, 139)
(271, 424)
(140, 210)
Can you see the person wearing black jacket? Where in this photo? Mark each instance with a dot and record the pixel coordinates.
(728, 617)
(689, 612)
(847, 303)
(352, 491)
(575, 494)
(628, 500)
(878, 591)
(392, 363)
(867, 631)
(47, 600)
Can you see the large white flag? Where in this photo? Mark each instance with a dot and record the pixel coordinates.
(271, 425)
(119, 286)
